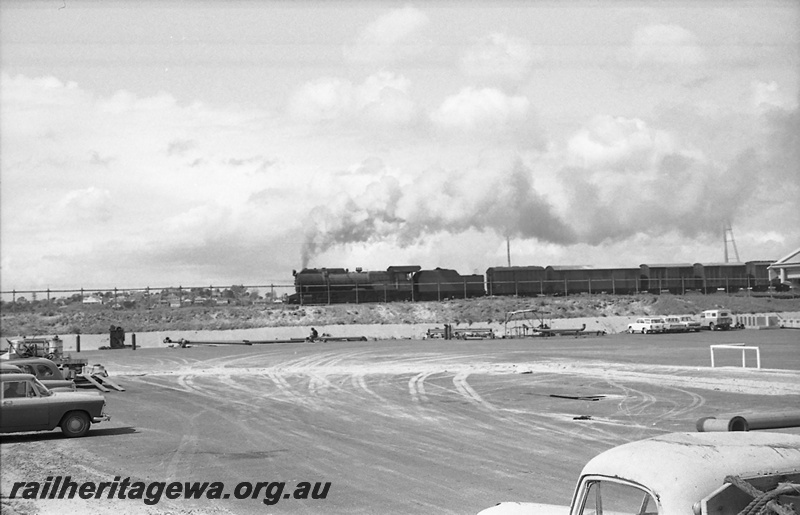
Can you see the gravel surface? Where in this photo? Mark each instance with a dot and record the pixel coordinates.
(402, 426)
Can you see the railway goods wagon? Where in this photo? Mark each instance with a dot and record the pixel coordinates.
(675, 278)
(758, 275)
(583, 279)
(515, 280)
(729, 277)
(443, 283)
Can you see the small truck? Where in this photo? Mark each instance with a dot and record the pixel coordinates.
(725, 473)
(716, 319)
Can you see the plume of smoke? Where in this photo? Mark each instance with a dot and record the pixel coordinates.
(503, 201)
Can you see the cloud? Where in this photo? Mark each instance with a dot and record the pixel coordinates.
(83, 172)
(663, 44)
(627, 178)
(323, 99)
(86, 206)
(499, 57)
(481, 110)
(617, 143)
(382, 99)
(392, 37)
(769, 95)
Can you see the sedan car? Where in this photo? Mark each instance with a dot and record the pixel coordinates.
(46, 371)
(647, 325)
(690, 322)
(673, 324)
(27, 405)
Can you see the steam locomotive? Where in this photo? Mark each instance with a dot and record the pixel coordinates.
(411, 283)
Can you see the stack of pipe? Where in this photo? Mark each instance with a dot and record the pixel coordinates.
(750, 422)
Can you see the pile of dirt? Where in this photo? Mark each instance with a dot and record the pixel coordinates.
(77, 319)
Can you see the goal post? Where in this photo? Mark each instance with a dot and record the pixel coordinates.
(740, 347)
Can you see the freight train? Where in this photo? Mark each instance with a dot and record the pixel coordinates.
(412, 283)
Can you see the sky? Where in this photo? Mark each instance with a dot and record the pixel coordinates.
(164, 143)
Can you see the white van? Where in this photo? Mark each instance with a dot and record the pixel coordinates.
(715, 319)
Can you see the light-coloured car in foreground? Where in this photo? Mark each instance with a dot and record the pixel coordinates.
(647, 325)
(27, 405)
(681, 474)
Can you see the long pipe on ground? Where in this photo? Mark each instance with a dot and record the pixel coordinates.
(749, 422)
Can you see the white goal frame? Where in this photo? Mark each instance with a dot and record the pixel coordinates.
(737, 346)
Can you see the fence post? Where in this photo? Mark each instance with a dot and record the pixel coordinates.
(77, 343)
(133, 341)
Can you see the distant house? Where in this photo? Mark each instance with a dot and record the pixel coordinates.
(787, 269)
(92, 300)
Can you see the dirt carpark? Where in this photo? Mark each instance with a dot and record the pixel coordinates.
(396, 426)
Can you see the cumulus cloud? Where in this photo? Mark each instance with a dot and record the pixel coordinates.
(87, 172)
(499, 57)
(323, 99)
(618, 143)
(769, 95)
(394, 36)
(87, 205)
(480, 109)
(664, 44)
(382, 98)
(627, 178)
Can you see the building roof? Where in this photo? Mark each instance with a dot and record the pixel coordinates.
(792, 259)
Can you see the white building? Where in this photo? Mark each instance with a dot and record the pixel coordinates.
(787, 269)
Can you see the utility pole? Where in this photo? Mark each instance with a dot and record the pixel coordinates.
(508, 249)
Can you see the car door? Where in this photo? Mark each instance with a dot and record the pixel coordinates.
(23, 409)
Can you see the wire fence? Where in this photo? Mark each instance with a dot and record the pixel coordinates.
(180, 296)
(174, 296)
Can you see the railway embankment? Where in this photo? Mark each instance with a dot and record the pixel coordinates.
(610, 313)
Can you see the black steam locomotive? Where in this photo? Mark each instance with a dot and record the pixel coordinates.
(411, 283)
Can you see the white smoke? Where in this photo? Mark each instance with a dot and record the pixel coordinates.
(500, 200)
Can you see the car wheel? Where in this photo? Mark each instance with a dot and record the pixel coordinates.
(712, 327)
(75, 424)
(644, 331)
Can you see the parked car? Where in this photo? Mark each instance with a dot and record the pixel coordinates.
(28, 405)
(683, 473)
(689, 322)
(647, 325)
(715, 319)
(672, 324)
(45, 371)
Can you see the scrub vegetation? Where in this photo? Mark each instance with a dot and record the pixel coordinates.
(19, 320)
